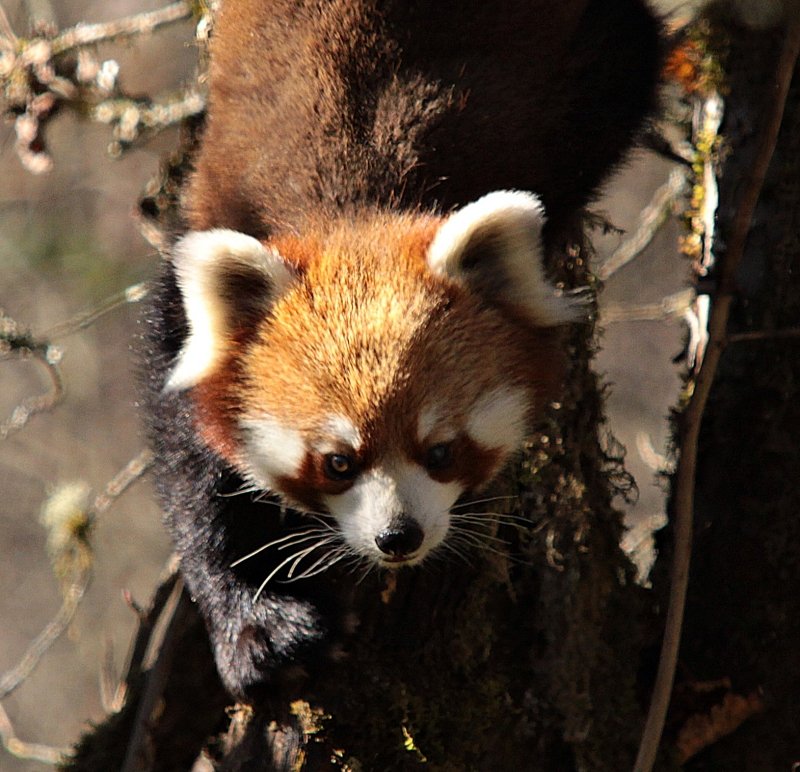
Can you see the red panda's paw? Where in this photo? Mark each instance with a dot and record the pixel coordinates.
(281, 640)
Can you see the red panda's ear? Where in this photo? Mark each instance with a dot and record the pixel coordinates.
(228, 282)
(494, 247)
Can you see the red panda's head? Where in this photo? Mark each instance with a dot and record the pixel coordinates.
(376, 368)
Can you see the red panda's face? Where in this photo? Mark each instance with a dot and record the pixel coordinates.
(377, 370)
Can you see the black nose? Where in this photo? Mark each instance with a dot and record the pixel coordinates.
(400, 538)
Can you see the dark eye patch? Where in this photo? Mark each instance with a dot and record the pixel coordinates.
(439, 457)
(340, 466)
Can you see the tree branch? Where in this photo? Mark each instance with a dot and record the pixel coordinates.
(692, 416)
(653, 216)
(36, 78)
(70, 521)
(136, 24)
(24, 750)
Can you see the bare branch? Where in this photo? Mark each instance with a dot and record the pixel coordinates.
(147, 623)
(137, 751)
(12, 678)
(669, 307)
(132, 118)
(29, 751)
(36, 79)
(692, 416)
(6, 30)
(136, 24)
(21, 344)
(133, 294)
(127, 476)
(69, 545)
(653, 216)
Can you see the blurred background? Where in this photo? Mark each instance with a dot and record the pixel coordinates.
(69, 239)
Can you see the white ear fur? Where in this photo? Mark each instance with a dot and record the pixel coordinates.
(222, 275)
(500, 237)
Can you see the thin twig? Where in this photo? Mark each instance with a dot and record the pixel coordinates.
(144, 632)
(108, 679)
(653, 216)
(21, 345)
(669, 307)
(136, 24)
(133, 294)
(42, 403)
(121, 481)
(692, 416)
(73, 595)
(28, 751)
(75, 589)
(6, 29)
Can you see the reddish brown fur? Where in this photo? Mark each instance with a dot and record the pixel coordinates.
(325, 113)
(370, 333)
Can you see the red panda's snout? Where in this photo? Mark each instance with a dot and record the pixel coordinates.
(390, 485)
(395, 514)
(377, 369)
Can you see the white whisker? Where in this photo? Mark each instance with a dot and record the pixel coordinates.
(320, 518)
(474, 541)
(263, 494)
(241, 491)
(291, 535)
(317, 545)
(295, 556)
(480, 537)
(483, 501)
(500, 517)
(368, 569)
(448, 546)
(314, 535)
(320, 565)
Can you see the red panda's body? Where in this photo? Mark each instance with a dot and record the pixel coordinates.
(327, 331)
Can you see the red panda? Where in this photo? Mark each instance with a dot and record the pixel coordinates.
(358, 321)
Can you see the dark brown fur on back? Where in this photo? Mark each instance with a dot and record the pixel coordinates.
(321, 105)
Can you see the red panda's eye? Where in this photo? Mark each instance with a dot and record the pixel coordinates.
(439, 456)
(339, 466)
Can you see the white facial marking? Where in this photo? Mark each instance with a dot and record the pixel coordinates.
(387, 492)
(200, 259)
(273, 450)
(341, 431)
(498, 419)
(428, 418)
(432, 426)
